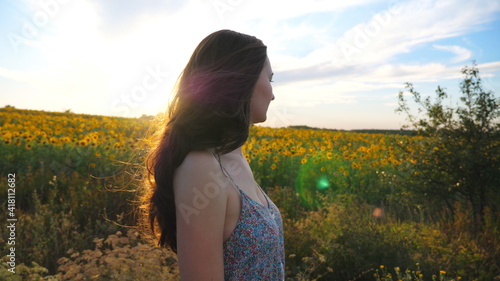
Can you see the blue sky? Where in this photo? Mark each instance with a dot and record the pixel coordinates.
(337, 65)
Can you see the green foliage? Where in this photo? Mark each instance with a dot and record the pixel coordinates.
(45, 233)
(77, 178)
(459, 156)
(35, 272)
(119, 257)
(344, 240)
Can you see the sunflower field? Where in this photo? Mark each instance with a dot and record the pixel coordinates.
(345, 215)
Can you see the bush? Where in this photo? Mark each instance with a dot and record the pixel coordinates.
(119, 257)
(345, 240)
(459, 157)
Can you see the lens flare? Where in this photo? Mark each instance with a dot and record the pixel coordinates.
(310, 180)
(322, 183)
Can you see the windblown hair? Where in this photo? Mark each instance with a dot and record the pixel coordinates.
(210, 109)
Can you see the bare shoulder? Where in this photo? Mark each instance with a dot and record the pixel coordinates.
(197, 166)
(199, 159)
(197, 174)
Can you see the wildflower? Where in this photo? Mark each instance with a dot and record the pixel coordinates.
(273, 166)
(303, 161)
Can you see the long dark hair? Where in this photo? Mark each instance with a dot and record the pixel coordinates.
(210, 109)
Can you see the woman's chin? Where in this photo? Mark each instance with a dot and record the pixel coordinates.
(259, 120)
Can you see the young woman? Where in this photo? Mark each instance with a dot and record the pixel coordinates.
(204, 198)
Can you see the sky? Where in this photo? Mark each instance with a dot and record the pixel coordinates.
(336, 64)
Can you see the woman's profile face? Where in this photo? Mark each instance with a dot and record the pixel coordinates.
(262, 95)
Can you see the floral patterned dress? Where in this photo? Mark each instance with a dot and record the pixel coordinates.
(255, 250)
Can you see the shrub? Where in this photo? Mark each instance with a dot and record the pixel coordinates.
(458, 160)
(119, 257)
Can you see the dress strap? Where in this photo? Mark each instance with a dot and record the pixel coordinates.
(217, 157)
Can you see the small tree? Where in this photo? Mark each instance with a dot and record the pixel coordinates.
(459, 159)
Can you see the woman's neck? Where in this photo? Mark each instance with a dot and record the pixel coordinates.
(238, 152)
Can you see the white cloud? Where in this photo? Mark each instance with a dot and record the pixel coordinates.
(461, 54)
(489, 66)
(393, 31)
(245, 10)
